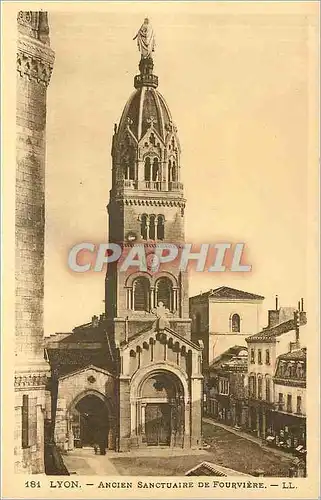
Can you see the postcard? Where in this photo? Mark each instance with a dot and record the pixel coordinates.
(160, 275)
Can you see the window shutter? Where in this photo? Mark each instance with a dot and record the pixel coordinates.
(25, 421)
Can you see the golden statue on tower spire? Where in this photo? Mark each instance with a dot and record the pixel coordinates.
(145, 39)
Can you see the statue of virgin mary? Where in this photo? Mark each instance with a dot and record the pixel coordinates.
(145, 39)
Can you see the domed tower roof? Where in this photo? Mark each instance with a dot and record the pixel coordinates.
(146, 149)
(146, 106)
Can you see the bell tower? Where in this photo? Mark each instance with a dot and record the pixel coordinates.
(146, 207)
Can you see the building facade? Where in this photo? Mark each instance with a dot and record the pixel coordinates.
(224, 317)
(35, 61)
(133, 377)
(280, 336)
(226, 388)
(290, 400)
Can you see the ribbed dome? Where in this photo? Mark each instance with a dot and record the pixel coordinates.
(145, 147)
(144, 106)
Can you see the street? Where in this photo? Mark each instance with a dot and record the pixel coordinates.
(225, 448)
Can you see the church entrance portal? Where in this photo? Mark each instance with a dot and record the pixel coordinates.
(158, 424)
(158, 417)
(90, 422)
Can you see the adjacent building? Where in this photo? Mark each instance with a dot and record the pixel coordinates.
(280, 336)
(226, 387)
(224, 317)
(261, 388)
(289, 428)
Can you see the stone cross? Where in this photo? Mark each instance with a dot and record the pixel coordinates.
(152, 120)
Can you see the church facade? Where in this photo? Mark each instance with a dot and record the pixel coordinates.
(132, 377)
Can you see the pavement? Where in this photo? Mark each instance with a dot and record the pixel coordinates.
(84, 461)
(247, 436)
(227, 447)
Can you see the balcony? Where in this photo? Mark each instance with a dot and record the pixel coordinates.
(152, 185)
(155, 185)
(175, 186)
(129, 184)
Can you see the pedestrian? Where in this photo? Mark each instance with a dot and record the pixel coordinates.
(102, 448)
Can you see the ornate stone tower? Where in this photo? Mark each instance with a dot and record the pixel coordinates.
(147, 207)
(147, 311)
(34, 66)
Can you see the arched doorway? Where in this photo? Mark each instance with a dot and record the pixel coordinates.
(159, 413)
(91, 423)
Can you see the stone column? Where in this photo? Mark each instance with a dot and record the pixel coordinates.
(143, 422)
(196, 410)
(187, 424)
(124, 413)
(70, 435)
(34, 66)
(152, 297)
(111, 444)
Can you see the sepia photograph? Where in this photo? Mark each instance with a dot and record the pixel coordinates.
(163, 202)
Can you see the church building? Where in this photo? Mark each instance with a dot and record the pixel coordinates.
(132, 377)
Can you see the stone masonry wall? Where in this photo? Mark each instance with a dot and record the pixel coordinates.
(34, 66)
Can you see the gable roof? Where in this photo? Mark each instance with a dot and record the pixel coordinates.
(85, 369)
(230, 358)
(153, 331)
(210, 469)
(298, 354)
(226, 292)
(270, 334)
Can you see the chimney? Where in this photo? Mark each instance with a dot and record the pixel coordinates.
(274, 314)
(297, 326)
(273, 318)
(299, 306)
(303, 314)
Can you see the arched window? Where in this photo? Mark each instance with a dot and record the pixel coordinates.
(252, 386)
(155, 170)
(259, 387)
(169, 171)
(160, 227)
(147, 169)
(236, 323)
(132, 171)
(152, 219)
(141, 294)
(267, 389)
(144, 227)
(174, 172)
(164, 292)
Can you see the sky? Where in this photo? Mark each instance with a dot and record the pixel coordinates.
(237, 86)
